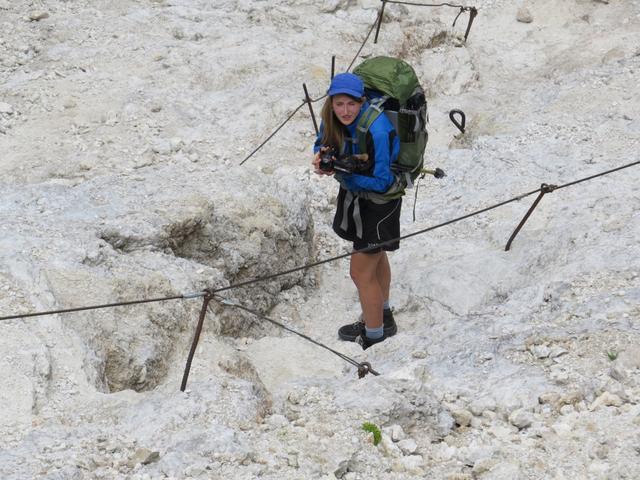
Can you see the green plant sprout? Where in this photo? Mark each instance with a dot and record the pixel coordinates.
(372, 428)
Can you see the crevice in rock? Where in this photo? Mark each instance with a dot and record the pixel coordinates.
(241, 247)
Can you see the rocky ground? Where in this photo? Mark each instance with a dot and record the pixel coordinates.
(122, 129)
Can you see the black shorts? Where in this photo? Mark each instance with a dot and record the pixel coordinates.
(367, 223)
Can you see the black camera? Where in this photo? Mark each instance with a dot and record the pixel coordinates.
(327, 158)
(331, 160)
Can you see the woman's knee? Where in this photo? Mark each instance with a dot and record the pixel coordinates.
(356, 275)
(362, 280)
(363, 271)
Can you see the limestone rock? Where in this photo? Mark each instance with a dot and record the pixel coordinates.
(162, 147)
(331, 6)
(480, 405)
(38, 15)
(559, 376)
(6, 108)
(143, 456)
(408, 446)
(630, 357)
(557, 351)
(521, 418)
(343, 468)
(547, 398)
(462, 417)
(483, 466)
(412, 464)
(541, 351)
(524, 15)
(458, 476)
(566, 409)
(389, 448)
(397, 433)
(124, 131)
(617, 373)
(571, 398)
(606, 400)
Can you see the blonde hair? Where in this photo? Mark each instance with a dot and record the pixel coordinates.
(332, 128)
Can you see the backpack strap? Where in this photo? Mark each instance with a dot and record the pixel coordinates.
(347, 146)
(366, 120)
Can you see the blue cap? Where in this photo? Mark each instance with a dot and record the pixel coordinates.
(346, 83)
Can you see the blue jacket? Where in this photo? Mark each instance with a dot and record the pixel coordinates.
(383, 146)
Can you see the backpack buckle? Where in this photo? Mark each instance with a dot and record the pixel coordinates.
(378, 103)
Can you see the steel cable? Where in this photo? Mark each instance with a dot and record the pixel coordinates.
(366, 39)
(346, 358)
(445, 4)
(373, 247)
(591, 177)
(297, 109)
(371, 29)
(106, 305)
(320, 262)
(362, 45)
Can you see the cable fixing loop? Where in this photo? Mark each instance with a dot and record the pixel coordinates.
(363, 369)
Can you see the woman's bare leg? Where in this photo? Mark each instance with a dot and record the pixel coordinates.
(383, 272)
(364, 273)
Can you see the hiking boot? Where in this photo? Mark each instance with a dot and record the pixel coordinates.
(389, 323)
(351, 331)
(365, 342)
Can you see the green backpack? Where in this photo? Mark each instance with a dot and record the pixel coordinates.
(392, 87)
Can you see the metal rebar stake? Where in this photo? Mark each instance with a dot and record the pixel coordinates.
(544, 188)
(384, 4)
(194, 344)
(473, 12)
(307, 99)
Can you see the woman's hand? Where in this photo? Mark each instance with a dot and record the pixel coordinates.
(316, 164)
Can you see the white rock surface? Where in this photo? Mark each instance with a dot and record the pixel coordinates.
(521, 418)
(122, 129)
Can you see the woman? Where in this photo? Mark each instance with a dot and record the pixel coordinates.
(362, 216)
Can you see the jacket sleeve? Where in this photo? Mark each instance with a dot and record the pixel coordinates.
(386, 147)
